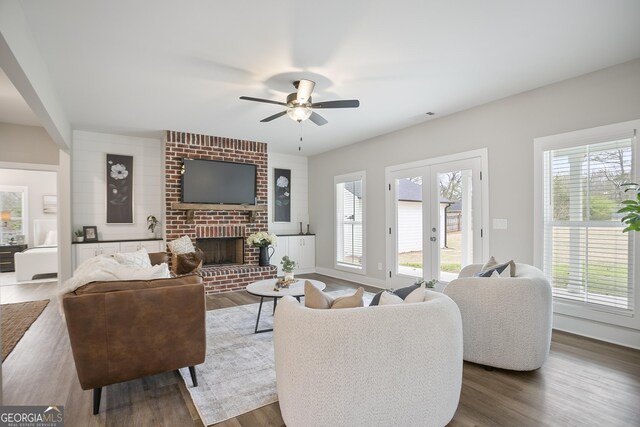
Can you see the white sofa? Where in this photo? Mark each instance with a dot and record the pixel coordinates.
(369, 366)
(506, 322)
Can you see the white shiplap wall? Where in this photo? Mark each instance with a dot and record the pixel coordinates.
(299, 193)
(89, 176)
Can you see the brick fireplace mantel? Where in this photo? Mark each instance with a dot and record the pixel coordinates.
(227, 222)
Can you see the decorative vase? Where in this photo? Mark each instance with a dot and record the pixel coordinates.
(265, 256)
(79, 239)
(288, 275)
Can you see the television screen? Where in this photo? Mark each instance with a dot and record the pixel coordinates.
(209, 181)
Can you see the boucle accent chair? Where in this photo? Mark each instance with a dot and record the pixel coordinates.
(506, 321)
(369, 366)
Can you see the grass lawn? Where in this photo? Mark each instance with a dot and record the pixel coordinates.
(450, 258)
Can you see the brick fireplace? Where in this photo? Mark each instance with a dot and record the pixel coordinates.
(227, 225)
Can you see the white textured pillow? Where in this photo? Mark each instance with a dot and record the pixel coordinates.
(417, 295)
(387, 298)
(505, 273)
(139, 259)
(182, 245)
(51, 239)
(160, 271)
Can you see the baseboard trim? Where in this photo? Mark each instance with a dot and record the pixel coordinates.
(357, 278)
(613, 334)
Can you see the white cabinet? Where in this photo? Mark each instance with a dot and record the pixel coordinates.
(149, 245)
(84, 251)
(153, 245)
(301, 249)
(281, 247)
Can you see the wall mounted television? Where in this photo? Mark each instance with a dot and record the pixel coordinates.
(211, 181)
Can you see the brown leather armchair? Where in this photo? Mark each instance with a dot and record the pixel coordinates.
(122, 330)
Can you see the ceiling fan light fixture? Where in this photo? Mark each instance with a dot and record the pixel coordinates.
(299, 113)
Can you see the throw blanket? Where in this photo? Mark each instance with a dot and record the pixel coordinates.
(105, 267)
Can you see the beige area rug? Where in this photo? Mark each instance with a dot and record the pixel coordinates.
(16, 320)
(238, 374)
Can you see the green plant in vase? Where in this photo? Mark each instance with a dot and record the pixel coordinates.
(79, 235)
(152, 223)
(287, 266)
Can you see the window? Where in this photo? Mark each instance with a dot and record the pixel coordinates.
(350, 199)
(587, 258)
(12, 214)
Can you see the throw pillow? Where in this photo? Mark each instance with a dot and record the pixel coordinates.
(402, 293)
(315, 298)
(502, 270)
(139, 259)
(51, 239)
(349, 301)
(389, 298)
(492, 263)
(188, 263)
(182, 245)
(417, 295)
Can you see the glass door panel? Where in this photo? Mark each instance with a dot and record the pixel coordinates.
(409, 212)
(456, 217)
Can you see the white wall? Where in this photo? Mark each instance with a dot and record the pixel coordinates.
(38, 183)
(506, 127)
(89, 182)
(299, 193)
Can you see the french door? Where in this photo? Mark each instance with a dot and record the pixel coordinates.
(434, 220)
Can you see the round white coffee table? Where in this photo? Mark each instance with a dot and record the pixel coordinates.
(265, 289)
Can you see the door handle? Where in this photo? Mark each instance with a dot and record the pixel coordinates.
(433, 239)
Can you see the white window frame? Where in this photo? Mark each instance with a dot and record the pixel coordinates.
(339, 179)
(573, 139)
(25, 205)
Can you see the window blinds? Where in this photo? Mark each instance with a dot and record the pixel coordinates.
(587, 258)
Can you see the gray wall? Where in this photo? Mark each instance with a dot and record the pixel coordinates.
(27, 144)
(506, 127)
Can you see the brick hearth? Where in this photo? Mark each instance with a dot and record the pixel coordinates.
(179, 145)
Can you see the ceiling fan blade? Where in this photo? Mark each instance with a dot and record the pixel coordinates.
(318, 119)
(305, 88)
(267, 101)
(346, 103)
(275, 116)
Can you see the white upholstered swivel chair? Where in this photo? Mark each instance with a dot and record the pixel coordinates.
(506, 322)
(389, 365)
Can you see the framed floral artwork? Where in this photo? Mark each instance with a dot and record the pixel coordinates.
(119, 189)
(282, 195)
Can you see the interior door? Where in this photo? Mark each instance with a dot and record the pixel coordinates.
(434, 221)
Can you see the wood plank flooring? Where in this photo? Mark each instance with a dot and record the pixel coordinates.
(584, 383)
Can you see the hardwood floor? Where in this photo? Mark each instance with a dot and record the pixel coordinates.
(584, 383)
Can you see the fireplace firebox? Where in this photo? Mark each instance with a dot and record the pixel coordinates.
(222, 250)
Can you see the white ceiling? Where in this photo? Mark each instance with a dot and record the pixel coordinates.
(149, 65)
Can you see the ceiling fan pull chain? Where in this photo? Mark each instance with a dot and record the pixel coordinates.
(300, 144)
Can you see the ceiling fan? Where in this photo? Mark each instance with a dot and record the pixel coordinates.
(300, 106)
